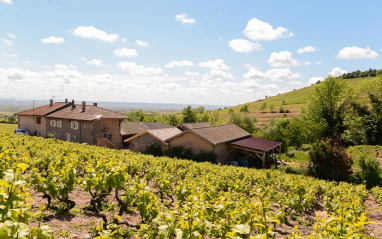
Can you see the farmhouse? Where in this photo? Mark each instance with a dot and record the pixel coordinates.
(78, 123)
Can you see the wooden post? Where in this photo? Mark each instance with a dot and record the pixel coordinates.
(263, 159)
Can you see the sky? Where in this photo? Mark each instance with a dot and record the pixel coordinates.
(189, 52)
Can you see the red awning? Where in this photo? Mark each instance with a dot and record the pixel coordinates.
(256, 143)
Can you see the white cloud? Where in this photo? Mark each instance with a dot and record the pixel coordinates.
(254, 74)
(141, 43)
(7, 1)
(275, 74)
(11, 55)
(295, 82)
(257, 30)
(7, 42)
(10, 35)
(280, 74)
(307, 49)
(94, 33)
(337, 72)
(184, 18)
(314, 80)
(124, 52)
(355, 52)
(189, 73)
(220, 74)
(135, 69)
(284, 59)
(94, 62)
(124, 40)
(53, 40)
(244, 46)
(216, 64)
(179, 63)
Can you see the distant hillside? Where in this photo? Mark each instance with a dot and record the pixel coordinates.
(292, 101)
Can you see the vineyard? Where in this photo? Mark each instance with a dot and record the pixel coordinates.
(129, 195)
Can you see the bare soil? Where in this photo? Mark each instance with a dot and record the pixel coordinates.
(265, 118)
(375, 214)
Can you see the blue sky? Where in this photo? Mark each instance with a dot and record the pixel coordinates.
(200, 52)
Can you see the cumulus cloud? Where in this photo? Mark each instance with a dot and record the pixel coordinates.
(284, 59)
(307, 49)
(53, 40)
(184, 18)
(355, 52)
(7, 1)
(11, 55)
(135, 69)
(179, 63)
(258, 30)
(336, 71)
(189, 73)
(216, 64)
(7, 42)
(141, 43)
(91, 32)
(10, 35)
(94, 62)
(275, 74)
(220, 74)
(244, 46)
(124, 52)
(314, 80)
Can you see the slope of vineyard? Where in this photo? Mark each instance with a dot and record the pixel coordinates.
(135, 195)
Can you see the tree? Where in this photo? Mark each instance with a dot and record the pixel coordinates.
(189, 115)
(11, 119)
(329, 161)
(328, 105)
(272, 108)
(243, 121)
(244, 109)
(173, 120)
(263, 107)
(200, 110)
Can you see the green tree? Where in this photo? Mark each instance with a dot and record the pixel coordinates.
(12, 119)
(200, 110)
(328, 105)
(189, 115)
(173, 120)
(263, 107)
(328, 160)
(243, 121)
(272, 108)
(244, 109)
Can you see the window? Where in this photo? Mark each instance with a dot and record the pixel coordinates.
(84, 126)
(59, 123)
(38, 120)
(52, 123)
(74, 125)
(57, 135)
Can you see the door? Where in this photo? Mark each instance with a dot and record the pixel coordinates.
(67, 137)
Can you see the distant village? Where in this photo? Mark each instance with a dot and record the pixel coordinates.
(94, 125)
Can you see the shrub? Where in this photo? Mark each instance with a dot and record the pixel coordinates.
(329, 161)
(205, 156)
(179, 152)
(370, 172)
(154, 149)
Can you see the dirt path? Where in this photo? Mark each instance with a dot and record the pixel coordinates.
(375, 214)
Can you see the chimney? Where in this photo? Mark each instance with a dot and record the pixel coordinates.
(95, 104)
(66, 100)
(51, 103)
(83, 106)
(73, 105)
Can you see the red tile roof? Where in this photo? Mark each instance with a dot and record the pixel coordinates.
(45, 109)
(160, 134)
(256, 143)
(91, 113)
(130, 128)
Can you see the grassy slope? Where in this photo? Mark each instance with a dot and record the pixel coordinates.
(294, 102)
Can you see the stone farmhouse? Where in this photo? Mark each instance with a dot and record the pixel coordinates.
(77, 123)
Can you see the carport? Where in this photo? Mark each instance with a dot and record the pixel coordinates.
(260, 147)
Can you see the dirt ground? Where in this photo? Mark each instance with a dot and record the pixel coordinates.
(265, 118)
(81, 223)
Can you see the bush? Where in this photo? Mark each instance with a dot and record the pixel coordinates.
(179, 152)
(205, 156)
(370, 172)
(154, 149)
(329, 161)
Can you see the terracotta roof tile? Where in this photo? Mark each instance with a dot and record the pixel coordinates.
(45, 109)
(130, 128)
(160, 134)
(186, 126)
(91, 113)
